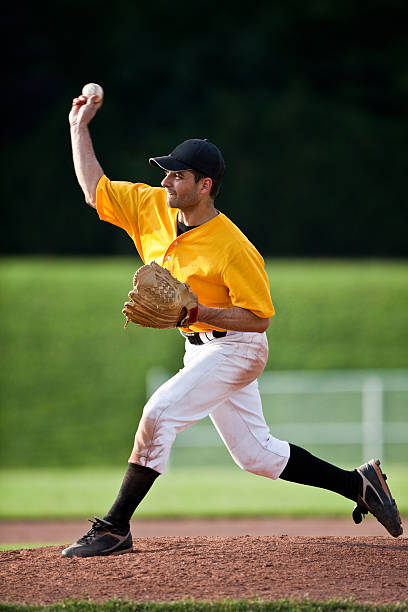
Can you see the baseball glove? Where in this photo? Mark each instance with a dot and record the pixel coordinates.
(160, 300)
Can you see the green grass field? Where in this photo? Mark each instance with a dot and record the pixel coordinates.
(73, 384)
(201, 492)
(73, 380)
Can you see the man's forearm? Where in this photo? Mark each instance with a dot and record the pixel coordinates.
(87, 167)
(236, 319)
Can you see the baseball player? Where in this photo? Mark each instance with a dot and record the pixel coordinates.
(178, 227)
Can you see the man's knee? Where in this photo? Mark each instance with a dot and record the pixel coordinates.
(152, 421)
(261, 463)
(154, 437)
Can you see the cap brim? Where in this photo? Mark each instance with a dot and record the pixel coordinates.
(167, 162)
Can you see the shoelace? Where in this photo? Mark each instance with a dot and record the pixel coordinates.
(96, 526)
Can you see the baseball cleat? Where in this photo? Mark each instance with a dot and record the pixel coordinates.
(101, 540)
(375, 497)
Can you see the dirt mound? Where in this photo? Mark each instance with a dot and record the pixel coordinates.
(368, 569)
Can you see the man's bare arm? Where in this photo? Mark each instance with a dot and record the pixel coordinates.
(236, 319)
(87, 167)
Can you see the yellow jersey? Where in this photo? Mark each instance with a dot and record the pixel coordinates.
(218, 262)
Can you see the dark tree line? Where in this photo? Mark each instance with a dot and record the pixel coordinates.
(307, 100)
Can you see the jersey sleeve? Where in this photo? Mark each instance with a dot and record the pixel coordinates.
(118, 202)
(248, 283)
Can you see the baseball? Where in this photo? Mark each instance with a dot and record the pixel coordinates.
(93, 89)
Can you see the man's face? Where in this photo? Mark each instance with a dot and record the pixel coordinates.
(181, 188)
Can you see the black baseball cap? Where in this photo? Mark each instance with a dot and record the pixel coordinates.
(194, 154)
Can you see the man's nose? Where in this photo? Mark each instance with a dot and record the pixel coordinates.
(165, 182)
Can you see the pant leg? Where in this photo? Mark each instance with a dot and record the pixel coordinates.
(242, 427)
(212, 373)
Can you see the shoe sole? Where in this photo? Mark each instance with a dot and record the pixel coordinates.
(376, 466)
(100, 554)
(115, 552)
(390, 528)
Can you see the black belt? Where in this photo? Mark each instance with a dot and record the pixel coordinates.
(194, 337)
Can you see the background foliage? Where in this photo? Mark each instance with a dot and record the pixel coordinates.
(307, 100)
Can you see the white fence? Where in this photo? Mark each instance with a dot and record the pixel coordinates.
(371, 431)
(355, 398)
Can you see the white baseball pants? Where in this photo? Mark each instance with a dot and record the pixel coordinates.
(218, 379)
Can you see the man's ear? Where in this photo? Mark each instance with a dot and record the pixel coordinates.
(207, 184)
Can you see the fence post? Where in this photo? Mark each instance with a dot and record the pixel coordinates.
(372, 415)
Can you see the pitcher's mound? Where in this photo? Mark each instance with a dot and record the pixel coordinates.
(367, 569)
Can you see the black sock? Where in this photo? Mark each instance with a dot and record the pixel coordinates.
(136, 484)
(304, 468)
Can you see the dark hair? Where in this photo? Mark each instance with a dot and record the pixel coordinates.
(215, 187)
